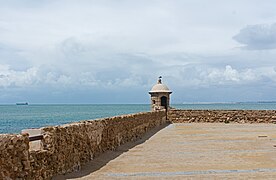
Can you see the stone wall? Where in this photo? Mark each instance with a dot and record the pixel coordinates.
(222, 116)
(66, 148)
(14, 156)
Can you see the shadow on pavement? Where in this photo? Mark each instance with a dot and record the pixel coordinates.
(107, 156)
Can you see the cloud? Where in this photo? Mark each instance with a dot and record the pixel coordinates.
(77, 64)
(68, 49)
(257, 37)
(229, 75)
(74, 64)
(206, 75)
(12, 78)
(147, 26)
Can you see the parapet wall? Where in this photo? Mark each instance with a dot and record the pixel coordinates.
(66, 148)
(222, 116)
(14, 156)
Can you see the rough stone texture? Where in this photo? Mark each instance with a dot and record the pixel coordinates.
(66, 148)
(222, 116)
(14, 156)
(40, 162)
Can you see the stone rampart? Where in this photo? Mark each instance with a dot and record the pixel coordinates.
(14, 156)
(222, 116)
(67, 147)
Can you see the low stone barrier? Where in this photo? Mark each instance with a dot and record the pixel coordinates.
(14, 156)
(222, 116)
(67, 147)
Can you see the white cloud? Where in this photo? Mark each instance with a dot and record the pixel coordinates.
(199, 76)
(228, 75)
(12, 78)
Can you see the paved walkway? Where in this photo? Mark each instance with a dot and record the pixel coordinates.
(192, 151)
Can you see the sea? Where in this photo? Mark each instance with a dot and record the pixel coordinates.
(14, 118)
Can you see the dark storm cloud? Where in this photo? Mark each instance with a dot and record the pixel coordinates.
(258, 37)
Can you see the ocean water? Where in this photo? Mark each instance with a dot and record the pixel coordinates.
(15, 118)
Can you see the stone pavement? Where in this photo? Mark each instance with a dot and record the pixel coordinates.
(191, 151)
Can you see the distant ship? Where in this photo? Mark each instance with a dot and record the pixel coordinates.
(22, 103)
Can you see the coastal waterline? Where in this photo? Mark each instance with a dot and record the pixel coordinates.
(15, 118)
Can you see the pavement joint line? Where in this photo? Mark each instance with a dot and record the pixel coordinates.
(154, 174)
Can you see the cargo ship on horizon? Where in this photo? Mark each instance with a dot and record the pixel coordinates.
(22, 103)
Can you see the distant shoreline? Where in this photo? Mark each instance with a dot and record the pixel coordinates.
(210, 103)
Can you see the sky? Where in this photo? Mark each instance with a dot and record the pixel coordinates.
(88, 51)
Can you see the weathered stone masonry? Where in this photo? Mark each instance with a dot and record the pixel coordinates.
(14, 156)
(67, 147)
(222, 116)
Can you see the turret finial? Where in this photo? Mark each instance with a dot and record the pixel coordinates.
(159, 80)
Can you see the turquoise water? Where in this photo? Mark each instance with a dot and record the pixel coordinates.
(15, 118)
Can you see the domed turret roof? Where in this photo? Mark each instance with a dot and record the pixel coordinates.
(159, 87)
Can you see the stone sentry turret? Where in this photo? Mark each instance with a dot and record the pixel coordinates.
(160, 96)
